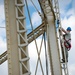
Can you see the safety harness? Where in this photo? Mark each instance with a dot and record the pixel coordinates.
(67, 44)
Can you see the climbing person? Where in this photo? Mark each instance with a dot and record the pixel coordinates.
(67, 42)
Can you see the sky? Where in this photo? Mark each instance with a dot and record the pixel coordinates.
(67, 13)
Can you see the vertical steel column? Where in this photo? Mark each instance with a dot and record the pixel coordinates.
(51, 38)
(52, 43)
(18, 60)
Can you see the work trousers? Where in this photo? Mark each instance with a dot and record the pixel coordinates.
(66, 54)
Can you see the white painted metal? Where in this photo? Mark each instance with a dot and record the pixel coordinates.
(22, 38)
(18, 61)
(37, 32)
(52, 39)
(12, 44)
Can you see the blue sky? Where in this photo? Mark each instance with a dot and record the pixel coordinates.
(67, 11)
(35, 21)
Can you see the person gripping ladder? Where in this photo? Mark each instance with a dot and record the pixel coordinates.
(67, 42)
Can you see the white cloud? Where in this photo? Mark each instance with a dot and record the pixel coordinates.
(73, 5)
(1, 2)
(35, 3)
(71, 12)
(64, 3)
(67, 7)
(36, 19)
(72, 69)
(2, 30)
(2, 45)
(68, 22)
(34, 56)
(2, 16)
(3, 33)
(4, 69)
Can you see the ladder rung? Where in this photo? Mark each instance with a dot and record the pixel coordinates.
(21, 45)
(29, 73)
(21, 31)
(19, 4)
(20, 17)
(25, 59)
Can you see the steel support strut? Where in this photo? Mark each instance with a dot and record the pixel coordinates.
(53, 51)
(18, 59)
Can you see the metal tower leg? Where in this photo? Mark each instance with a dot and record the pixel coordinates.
(18, 59)
(51, 38)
